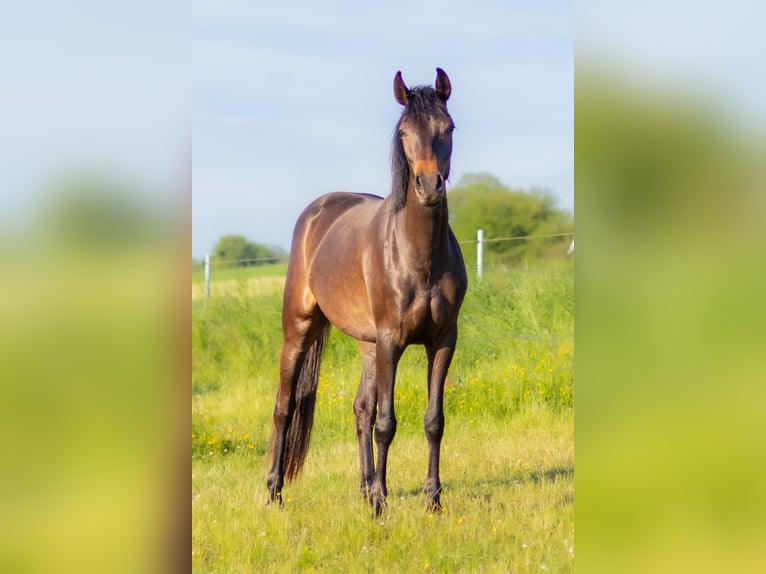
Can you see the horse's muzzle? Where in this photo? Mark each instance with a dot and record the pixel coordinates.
(429, 189)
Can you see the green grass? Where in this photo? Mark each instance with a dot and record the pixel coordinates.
(507, 453)
(230, 280)
(233, 272)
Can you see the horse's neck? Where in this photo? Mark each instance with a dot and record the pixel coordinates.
(421, 236)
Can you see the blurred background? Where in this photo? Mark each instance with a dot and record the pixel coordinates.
(95, 163)
(96, 229)
(671, 205)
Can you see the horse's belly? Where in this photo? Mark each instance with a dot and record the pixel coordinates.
(351, 316)
(343, 300)
(336, 278)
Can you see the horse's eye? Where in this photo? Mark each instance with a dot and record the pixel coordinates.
(402, 133)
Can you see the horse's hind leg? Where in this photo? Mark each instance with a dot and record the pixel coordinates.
(301, 327)
(365, 406)
(283, 412)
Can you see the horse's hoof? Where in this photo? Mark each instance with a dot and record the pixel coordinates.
(367, 492)
(434, 505)
(277, 497)
(379, 506)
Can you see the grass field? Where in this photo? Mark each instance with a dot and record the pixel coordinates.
(228, 271)
(228, 279)
(507, 453)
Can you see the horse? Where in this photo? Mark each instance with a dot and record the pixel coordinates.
(387, 272)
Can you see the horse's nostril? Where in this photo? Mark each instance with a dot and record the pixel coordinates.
(439, 182)
(418, 181)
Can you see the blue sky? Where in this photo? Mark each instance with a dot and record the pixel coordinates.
(712, 51)
(292, 100)
(92, 87)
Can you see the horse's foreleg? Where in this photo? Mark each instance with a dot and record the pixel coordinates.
(386, 359)
(439, 359)
(364, 409)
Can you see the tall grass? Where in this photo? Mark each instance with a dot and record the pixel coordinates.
(227, 270)
(507, 453)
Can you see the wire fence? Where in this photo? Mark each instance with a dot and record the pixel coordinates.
(272, 260)
(516, 238)
(207, 264)
(272, 283)
(238, 262)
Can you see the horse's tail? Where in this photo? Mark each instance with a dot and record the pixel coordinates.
(299, 429)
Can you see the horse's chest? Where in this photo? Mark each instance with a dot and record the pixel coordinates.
(425, 311)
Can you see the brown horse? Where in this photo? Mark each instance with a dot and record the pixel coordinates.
(387, 272)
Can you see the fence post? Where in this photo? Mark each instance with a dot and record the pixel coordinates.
(207, 277)
(479, 253)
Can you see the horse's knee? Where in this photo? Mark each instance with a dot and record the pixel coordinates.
(361, 407)
(434, 426)
(385, 429)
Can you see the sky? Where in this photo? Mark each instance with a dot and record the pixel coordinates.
(284, 102)
(712, 51)
(293, 100)
(93, 87)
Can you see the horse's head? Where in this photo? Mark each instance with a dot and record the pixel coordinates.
(423, 141)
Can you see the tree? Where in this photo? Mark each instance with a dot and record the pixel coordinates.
(480, 201)
(95, 213)
(242, 252)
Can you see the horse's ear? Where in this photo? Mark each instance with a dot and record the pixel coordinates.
(401, 92)
(443, 87)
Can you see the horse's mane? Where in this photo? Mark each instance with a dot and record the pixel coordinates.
(423, 102)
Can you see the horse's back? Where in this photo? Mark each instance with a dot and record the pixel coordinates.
(326, 210)
(338, 202)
